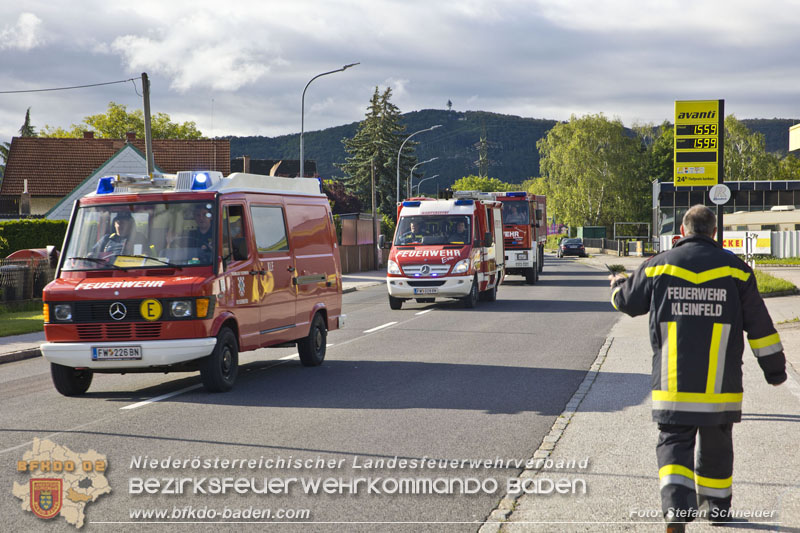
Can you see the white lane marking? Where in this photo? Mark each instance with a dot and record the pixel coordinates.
(286, 358)
(380, 327)
(423, 312)
(162, 397)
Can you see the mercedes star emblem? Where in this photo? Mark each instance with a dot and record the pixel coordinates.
(426, 269)
(117, 310)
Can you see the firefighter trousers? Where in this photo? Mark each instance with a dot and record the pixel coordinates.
(695, 479)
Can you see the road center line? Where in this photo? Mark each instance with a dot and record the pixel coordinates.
(423, 312)
(380, 327)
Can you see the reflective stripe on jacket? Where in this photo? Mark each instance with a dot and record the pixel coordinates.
(700, 298)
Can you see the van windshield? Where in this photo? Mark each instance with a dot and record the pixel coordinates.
(142, 235)
(430, 229)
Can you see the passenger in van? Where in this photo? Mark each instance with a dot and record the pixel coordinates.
(202, 236)
(123, 238)
(515, 217)
(414, 234)
(460, 233)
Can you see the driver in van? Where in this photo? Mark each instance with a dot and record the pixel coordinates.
(414, 234)
(123, 238)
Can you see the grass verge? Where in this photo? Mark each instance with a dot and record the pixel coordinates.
(25, 318)
(768, 284)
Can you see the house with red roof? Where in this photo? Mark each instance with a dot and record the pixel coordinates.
(59, 171)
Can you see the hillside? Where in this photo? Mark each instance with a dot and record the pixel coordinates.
(512, 144)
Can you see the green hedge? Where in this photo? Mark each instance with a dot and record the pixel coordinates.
(37, 233)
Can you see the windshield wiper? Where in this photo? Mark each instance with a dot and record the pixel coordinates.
(162, 261)
(99, 260)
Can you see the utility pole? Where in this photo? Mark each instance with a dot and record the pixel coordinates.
(148, 135)
(374, 221)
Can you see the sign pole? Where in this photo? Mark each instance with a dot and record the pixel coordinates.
(721, 168)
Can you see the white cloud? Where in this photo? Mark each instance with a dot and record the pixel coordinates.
(24, 35)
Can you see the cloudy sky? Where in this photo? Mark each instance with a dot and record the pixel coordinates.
(239, 67)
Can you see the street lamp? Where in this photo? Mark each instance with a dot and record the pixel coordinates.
(399, 152)
(424, 179)
(411, 174)
(303, 110)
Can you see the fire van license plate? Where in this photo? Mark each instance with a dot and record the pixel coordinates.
(116, 353)
(426, 291)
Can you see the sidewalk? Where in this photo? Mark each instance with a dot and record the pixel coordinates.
(18, 347)
(608, 423)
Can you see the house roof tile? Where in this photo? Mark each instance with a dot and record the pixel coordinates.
(54, 167)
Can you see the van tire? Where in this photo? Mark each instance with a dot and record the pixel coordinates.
(531, 275)
(395, 303)
(219, 370)
(312, 347)
(70, 381)
(541, 260)
(471, 299)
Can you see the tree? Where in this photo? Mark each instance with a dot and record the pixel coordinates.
(377, 142)
(117, 121)
(341, 200)
(593, 172)
(26, 130)
(746, 157)
(658, 144)
(480, 183)
(4, 156)
(449, 105)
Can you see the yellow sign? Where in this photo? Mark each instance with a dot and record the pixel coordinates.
(698, 139)
(150, 309)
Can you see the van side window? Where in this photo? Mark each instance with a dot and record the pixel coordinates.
(270, 229)
(234, 243)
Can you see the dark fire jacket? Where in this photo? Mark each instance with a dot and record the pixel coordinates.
(700, 298)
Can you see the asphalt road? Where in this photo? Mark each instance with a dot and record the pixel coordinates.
(433, 381)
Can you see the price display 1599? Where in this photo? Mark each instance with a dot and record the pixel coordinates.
(708, 143)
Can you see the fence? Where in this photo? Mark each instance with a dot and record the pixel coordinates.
(357, 249)
(24, 279)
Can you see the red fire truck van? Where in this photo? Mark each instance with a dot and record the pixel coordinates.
(182, 272)
(446, 249)
(524, 233)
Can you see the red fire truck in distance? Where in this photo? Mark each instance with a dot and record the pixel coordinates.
(182, 272)
(446, 249)
(524, 233)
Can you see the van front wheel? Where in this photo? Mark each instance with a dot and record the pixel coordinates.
(219, 370)
(312, 348)
(70, 381)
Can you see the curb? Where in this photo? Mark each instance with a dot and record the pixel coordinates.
(508, 503)
(20, 355)
(364, 286)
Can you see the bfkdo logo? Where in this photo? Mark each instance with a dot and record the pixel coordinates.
(61, 482)
(46, 497)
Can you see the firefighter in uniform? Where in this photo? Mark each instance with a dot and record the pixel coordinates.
(700, 298)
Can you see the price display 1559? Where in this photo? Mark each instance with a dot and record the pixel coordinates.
(696, 129)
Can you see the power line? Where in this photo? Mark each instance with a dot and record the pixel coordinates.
(68, 88)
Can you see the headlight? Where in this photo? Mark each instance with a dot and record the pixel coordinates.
(461, 267)
(63, 312)
(181, 309)
(392, 268)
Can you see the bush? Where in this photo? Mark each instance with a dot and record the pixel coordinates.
(31, 233)
(387, 227)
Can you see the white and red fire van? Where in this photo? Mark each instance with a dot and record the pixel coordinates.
(524, 233)
(182, 272)
(446, 249)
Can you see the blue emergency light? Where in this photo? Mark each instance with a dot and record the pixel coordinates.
(415, 203)
(105, 185)
(465, 201)
(516, 194)
(200, 181)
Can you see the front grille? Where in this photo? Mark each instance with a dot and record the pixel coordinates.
(427, 283)
(439, 270)
(118, 332)
(98, 311)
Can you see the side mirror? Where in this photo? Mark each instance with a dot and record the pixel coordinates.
(381, 240)
(487, 239)
(52, 255)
